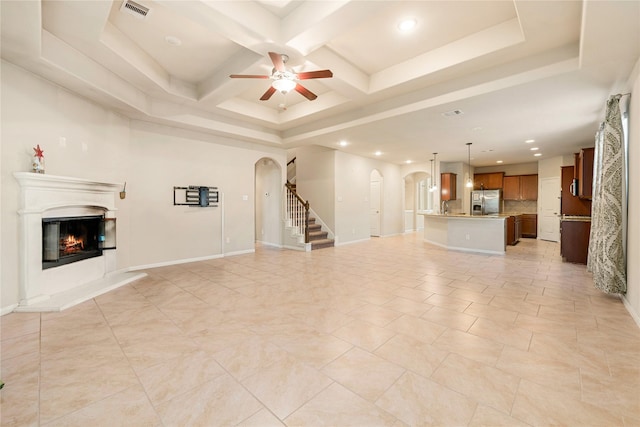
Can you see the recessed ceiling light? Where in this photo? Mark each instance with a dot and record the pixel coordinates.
(498, 161)
(477, 129)
(173, 40)
(529, 141)
(534, 148)
(378, 153)
(407, 24)
(343, 143)
(538, 154)
(408, 162)
(453, 113)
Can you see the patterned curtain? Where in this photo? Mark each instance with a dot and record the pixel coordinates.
(606, 246)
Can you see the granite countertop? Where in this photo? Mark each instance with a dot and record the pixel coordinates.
(465, 216)
(576, 218)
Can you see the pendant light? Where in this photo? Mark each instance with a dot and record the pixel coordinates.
(434, 186)
(431, 170)
(469, 180)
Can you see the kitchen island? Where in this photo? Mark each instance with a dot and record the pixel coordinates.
(482, 234)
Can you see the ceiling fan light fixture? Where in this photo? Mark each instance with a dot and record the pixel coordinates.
(407, 25)
(283, 85)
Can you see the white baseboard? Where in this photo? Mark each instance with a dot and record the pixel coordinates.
(174, 262)
(247, 251)
(8, 309)
(295, 248)
(634, 314)
(273, 245)
(352, 242)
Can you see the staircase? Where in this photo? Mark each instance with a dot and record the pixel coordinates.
(306, 234)
(317, 237)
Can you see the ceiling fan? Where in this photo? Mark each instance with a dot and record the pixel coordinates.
(284, 80)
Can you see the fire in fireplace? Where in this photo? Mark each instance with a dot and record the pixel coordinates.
(67, 240)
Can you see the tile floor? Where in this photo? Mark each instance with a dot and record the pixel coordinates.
(387, 332)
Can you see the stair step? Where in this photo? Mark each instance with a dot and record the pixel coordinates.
(317, 235)
(315, 227)
(322, 243)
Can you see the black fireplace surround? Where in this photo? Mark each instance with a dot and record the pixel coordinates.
(71, 239)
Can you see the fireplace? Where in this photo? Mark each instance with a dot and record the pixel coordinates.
(67, 240)
(66, 226)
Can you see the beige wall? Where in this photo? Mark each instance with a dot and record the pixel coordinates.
(632, 298)
(353, 185)
(514, 169)
(315, 170)
(105, 146)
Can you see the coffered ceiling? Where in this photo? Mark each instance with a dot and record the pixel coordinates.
(494, 73)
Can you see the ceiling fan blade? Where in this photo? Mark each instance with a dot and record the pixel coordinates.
(276, 58)
(305, 92)
(248, 76)
(268, 93)
(320, 74)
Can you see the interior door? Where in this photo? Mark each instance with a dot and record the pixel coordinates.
(549, 208)
(375, 208)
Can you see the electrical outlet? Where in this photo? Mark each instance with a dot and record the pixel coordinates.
(228, 240)
(467, 237)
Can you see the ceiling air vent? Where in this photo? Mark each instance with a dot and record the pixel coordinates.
(453, 113)
(135, 9)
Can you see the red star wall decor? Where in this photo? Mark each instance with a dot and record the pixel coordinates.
(39, 152)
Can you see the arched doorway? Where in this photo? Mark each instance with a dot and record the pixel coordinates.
(418, 198)
(268, 190)
(375, 203)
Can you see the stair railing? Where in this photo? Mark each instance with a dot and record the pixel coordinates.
(297, 211)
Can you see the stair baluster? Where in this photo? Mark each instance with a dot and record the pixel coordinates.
(298, 212)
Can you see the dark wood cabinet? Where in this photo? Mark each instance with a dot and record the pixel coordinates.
(529, 187)
(520, 187)
(488, 181)
(530, 225)
(448, 186)
(511, 188)
(574, 240)
(570, 204)
(585, 173)
(514, 229)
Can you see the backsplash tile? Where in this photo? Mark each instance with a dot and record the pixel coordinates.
(523, 206)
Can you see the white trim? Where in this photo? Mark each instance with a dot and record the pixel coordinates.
(455, 248)
(352, 241)
(8, 309)
(391, 235)
(273, 245)
(175, 262)
(188, 260)
(247, 251)
(296, 248)
(634, 315)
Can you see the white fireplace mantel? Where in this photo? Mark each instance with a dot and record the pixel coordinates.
(57, 288)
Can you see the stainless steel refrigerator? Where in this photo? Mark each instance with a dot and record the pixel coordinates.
(486, 202)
